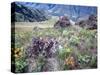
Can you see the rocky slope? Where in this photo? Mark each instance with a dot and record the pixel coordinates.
(21, 13)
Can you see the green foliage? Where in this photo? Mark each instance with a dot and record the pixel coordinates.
(41, 63)
(87, 61)
(74, 40)
(64, 52)
(21, 65)
(82, 42)
(93, 63)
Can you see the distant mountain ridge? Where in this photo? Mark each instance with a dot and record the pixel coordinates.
(21, 13)
(72, 11)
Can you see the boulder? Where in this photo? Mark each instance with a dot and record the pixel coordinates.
(90, 23)
(62, 22)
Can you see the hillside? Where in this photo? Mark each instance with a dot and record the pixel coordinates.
(74, 12)
(21, 13)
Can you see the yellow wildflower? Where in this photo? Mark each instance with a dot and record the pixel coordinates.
(17, 52)
(70, 61)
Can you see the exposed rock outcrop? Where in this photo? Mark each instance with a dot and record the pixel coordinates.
(90, 23)
(62, 22)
